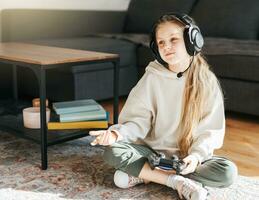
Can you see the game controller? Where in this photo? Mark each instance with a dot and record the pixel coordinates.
(159, 160)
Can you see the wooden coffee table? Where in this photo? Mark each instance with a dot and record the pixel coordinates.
(39, 59)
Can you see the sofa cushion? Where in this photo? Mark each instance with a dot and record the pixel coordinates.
(125, 49)
(241, 96)
(227, 46)
(236, 59)
(99, 84)
(143, 13)
(231, 18)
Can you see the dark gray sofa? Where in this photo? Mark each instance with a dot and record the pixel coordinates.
(231, 30)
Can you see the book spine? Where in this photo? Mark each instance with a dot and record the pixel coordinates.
(77, 125)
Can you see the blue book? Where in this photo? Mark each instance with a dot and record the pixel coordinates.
(96, 115)
(66, 107)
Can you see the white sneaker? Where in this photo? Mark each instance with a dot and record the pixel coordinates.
(123, 180)
(188, 188)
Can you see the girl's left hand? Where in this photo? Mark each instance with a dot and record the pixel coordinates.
(191, 163)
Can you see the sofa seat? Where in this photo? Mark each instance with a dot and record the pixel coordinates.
(237, 59)
(240, 96)
(77, 82)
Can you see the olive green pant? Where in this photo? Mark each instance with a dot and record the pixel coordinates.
(130, 158)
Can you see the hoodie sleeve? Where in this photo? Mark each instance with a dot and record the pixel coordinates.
(135, 118)
(210, 132)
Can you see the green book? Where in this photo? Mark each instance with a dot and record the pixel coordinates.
(84, 105)
(84, 116)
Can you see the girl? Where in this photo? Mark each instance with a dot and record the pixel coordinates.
(177, 109)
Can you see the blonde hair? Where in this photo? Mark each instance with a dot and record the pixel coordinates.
(199, 89)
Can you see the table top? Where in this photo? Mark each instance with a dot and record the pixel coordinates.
(47, 55)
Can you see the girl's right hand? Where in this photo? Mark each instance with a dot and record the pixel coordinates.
(103, 137)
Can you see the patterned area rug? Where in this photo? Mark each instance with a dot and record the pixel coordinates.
(76, 171)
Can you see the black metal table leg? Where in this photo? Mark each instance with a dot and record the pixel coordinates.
(43, 130)
(116, 92)
(15, 89)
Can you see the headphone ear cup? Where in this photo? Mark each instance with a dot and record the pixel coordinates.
(187, 41)
(193, 40)
(152, 47)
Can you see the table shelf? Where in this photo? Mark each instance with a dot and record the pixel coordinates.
(11, 120)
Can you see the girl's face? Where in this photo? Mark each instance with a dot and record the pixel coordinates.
(170, 42)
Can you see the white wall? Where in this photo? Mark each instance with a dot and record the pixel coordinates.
(64, 4)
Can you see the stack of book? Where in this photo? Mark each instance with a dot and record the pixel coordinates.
(79, 114)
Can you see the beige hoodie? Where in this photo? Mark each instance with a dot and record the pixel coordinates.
(151, 115)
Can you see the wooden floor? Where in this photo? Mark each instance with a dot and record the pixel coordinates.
(241, 143)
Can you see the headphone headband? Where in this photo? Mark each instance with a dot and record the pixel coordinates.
(183, 18)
